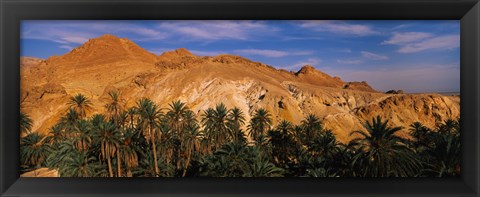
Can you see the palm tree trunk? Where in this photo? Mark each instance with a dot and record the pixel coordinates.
(131, 121)
(129, 173)
(119, 169)
(115, 119)
(186, 165)
(110, 167)
(179, 155)
(154, 148)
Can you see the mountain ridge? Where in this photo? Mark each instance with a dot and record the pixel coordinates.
(110, 63)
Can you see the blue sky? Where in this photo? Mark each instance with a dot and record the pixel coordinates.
(416, 56)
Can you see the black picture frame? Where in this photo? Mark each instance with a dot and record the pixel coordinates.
(13, 11)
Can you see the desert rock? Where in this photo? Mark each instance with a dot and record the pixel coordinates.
(110, 63)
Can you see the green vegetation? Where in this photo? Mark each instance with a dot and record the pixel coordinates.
(147, 141)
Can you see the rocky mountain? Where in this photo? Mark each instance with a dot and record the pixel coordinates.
(29, 61)
(110, 63)
(41, 172)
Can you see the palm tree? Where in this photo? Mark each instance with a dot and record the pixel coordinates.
(419, 132)
(380, 153)
(446, 155)
(259, 124)
(75, 165)
(123, 119)
(114, 108)
(231, 160)
(237, 160)
(33, 150)
(281, 140)
(80, 104)
(333, 158)
(68, 122)
(61, 153)
(311, 126)
(324, 145)
(56, 135)
(191, 144)
(176, 118)
(97, 119)
(449, 126)
(128, 150)
(109, 138)
(216, 124)
(205, 145)
(236, 120)
(150, 115)
(208, 118)
(261, 167)
(168, 141)
(25, 123)
(131, 116)
(298, 134)
(82, 138)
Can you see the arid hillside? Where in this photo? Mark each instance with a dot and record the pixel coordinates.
(110, 63)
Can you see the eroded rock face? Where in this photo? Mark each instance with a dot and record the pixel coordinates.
(29, 61)
(362, 86)
(402, 110)
(316, 77)
(41, 172)
(106, 63)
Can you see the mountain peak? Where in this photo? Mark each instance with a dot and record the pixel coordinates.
(104, 41)
(307, 69)
(176, 59)
(183, 52)
(314, 76)
(177, 53)
(359, 85)
(107, 36)
(106, 49)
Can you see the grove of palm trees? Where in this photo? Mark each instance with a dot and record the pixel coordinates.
(147, 140)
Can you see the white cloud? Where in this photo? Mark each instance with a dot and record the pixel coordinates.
(217, 30)
(69, 48)
(401, 26)
(420, 78)
(58, 36)
(146, 34)
(412, 42)
(78, 32)
(271, 53)
(349, 61)
(207, 53)
(140, 33)
(339, 27)
(262, 52)
(441, 42)
(144, 31)
(307, 52)
(72, 39)
(374, 56)
(406, 37)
